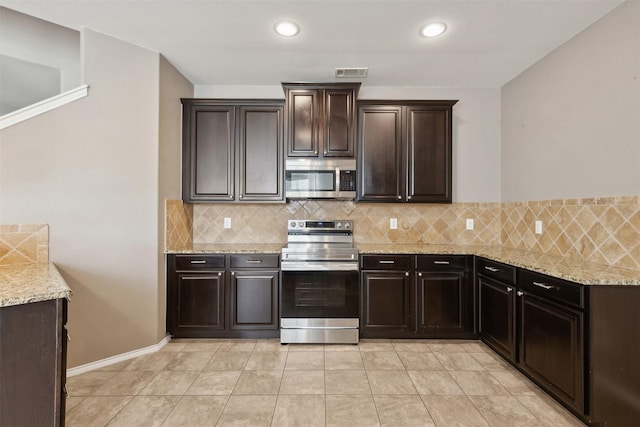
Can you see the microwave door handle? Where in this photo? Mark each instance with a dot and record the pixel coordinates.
(337, 179)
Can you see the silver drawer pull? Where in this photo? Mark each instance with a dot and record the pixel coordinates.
(198, 261)
(509, 289)
(492, 269)
(442, 262)
(519, 293)
(254, 261)
(542, 285)
(386, 262)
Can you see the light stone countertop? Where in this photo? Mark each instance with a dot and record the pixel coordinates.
(27, 283)
(583, 272)
(230, 248)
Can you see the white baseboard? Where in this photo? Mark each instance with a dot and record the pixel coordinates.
(117, 359)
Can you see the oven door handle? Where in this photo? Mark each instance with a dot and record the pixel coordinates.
(318, 327)
(318, 266)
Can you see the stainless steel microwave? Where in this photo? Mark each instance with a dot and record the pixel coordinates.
(320, 178)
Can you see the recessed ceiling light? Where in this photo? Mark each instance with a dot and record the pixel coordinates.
(286, 28)
(433, 30)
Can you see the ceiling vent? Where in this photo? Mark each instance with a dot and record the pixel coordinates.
(352, 72)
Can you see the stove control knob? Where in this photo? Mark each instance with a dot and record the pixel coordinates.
(293, 224)
(339, 225)
(347, 225)
(300, 224)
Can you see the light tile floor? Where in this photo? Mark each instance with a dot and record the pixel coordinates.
(263, 383)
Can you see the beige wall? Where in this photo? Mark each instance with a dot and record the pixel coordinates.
(571, 122)
(172, 87)
(90, 169)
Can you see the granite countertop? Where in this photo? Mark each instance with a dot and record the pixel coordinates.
(229, 248)
(583, 272)
(27, 283)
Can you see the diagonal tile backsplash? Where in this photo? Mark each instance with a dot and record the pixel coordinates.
(178, 224)
(24, 243)
(604, 230)
(420, 223)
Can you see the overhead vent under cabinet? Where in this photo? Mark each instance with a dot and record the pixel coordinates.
(352, 72)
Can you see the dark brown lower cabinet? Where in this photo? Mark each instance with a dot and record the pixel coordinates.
(33, 363)
(497, 306)
(222, 296)
(416, 296)
(254, 300)
(386, 304)
(200, 303)
(551, 348)
(578, 343)
(613, 355)
(444, 296)
(497, 316)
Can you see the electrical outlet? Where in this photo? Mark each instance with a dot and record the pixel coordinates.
(538, 227)
(469, 223)
(393, 223)
(227, 223)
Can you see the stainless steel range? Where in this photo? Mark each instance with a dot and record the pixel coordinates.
(320, 290)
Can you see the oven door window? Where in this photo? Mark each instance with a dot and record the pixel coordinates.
(311, 181)
(319, 294)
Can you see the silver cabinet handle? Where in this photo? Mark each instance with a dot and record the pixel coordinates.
(542, 285)
(198, 261)
(233, 273)
(406, 274)
(519, 293)
(254, 261)
(442, 262)
(386, 262)
(220, 273)
(419, 274)
(492, 269)
(509, 289)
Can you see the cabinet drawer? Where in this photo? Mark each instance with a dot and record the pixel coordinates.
(387, 262)
(550, 287)
(496, 270)
(441, 262)
(199, 262)
(255, 261)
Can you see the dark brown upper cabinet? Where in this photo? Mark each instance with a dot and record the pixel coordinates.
(233, 150)
(404, 151)
(320, 119)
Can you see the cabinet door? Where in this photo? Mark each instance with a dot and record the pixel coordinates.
(208, 153)
(254, 300)
(302, 125)
(380, 164)
(261, 144)
(386, 304)
(337, 126)
(200, 304)
(440, 298)
(551, 348)
(429, 154)
(497, 316)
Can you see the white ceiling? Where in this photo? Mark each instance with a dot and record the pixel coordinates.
(232, 42)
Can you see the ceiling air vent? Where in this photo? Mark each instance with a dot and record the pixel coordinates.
(352, 72)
